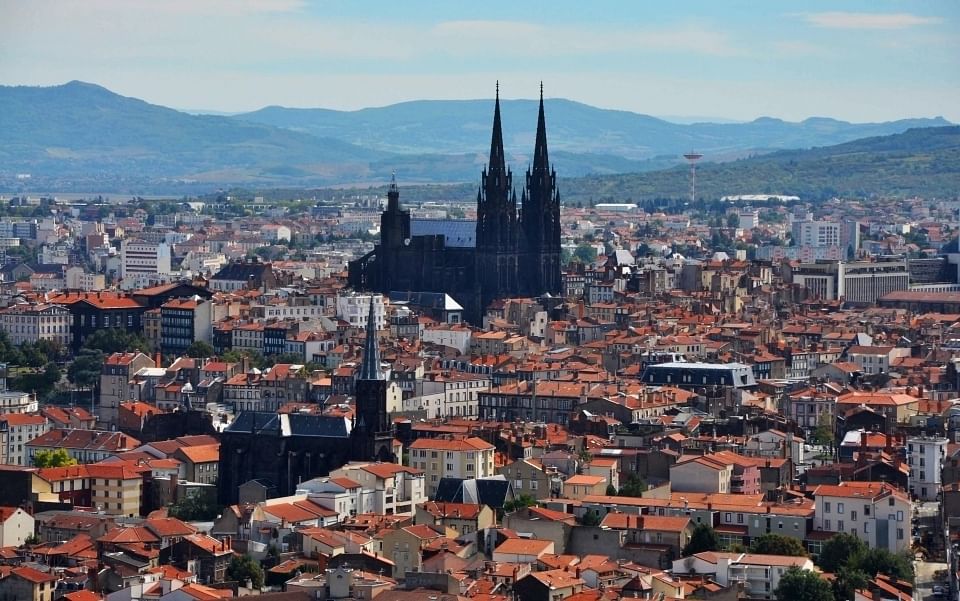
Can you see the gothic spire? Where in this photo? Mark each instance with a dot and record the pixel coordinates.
(370, 368)
(540, 160)
(393, 194)
(498, 165)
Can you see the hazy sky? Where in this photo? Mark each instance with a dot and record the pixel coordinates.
(859, 61)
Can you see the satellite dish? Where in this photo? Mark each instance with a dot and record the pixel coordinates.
(406, 241)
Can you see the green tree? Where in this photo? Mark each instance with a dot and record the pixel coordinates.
(704, 538)
(632, 487)
(53, 458)
(803, 585)
(840, 549)
(823, 434)
(193, 508)
(243, 568)
(117, 340)
(585, 253)
(591, 518)
(86, 367)
(611, 490)
(881, 561)
(200, 350)
(846, 582)
(777, 544)
(519, 502)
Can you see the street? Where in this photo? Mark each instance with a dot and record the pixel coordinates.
(926, 580)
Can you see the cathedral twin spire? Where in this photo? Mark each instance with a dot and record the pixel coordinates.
(370, 368)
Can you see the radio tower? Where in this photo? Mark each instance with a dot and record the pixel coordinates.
(692, 158)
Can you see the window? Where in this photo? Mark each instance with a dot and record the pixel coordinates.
(826, 524)
(899, 516)
(826, 506)
(899, 533)
(853, 515)
(840, 526)
(728, 517)
(840, 508)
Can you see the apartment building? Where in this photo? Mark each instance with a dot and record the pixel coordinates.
(354, 308)
(759, 574)
(184, 321)
(17, 402)
(449, 394)
(86, 446)
(925, 456)
(385, 488)
(116, 489)
(16, 429)
(875, 512)
(451, 458)
(115, 376)
(29, 323)
(142, 258)
(875, 359)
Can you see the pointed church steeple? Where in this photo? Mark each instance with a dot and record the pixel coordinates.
(540, 160)
(498, 163)
(370, 368)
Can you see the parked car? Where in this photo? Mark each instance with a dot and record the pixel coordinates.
(938, 591)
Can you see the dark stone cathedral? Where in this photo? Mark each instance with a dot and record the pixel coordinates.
(509, 251)
(284, 449)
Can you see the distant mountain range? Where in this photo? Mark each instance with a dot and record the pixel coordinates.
(82, 136)
(455, 126)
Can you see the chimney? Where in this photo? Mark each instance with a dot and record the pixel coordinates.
(157, 360)
(889, 444)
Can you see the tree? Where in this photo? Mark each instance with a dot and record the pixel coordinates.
(881, 561)
(200, 350)
(53, 458)
(117, 340)
(519, 502)
(193, 508)
(803, 585)
(823, 434)
(839, 550)
(847, 581)
(611, 490)
(704, 538)
(591, 518)
(633, 487)
(243, 568)
(585, 253)
(86, 367)
(777, 544)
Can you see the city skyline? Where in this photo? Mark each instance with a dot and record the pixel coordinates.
(857, 61)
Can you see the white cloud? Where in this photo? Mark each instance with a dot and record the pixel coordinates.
(851, 20)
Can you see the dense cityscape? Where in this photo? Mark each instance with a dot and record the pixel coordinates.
(294, 367)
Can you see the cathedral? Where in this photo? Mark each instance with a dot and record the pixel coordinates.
(512, 249)
(283, 449)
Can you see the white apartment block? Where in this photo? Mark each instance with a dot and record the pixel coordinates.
(353, 308)
(759, 574)
(18, 402)
(925, 456)
(138, 257)
(382, 488)
(459, 458)
(30, 323)
(875, 512)
(817, 233)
